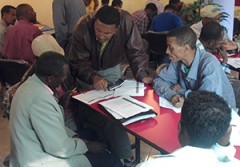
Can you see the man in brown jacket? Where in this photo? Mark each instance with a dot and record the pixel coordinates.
(101, 42)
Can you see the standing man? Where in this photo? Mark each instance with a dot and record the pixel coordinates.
(38, 134)
(100, 43)
(8, 17)
(143, 17)
(66, 13)
(19, 37)
(191, 69)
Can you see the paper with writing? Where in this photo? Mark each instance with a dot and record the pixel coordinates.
(166, 104)
(130, 88)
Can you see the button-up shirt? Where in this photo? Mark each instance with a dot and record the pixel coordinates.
(205, 73)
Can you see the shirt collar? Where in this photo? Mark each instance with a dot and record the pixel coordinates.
(194, 67)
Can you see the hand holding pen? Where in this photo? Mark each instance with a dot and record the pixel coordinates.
(177, 101)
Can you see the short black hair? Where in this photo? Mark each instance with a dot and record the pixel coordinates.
(105, 2)
(206, 117)
(173, 1)
(184, 35)
(169, 7)
(50, 64)
(151, 6)
(108, 15)
(116, 3)
(211, 31)
(6, 9)
(21, 10)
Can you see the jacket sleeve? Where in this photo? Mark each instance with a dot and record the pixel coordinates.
(164, 80)
(47, 121)
(135, 48)
(79, 56)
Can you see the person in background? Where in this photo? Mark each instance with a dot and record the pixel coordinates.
(100, 43)
(158, 3)
(210, 39)
(213, 13)
(65, 16)
(41, 117)
(203, 130)
(143, 17)
(19, 37)
(105, 2)
(179, 9)
(166, 21)
(191, 69)
(117, 4)
(8, 18)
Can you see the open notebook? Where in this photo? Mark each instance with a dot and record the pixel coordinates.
(127, 109)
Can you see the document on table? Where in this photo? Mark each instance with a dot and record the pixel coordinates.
(235, 62)
(166, 104)
(130, 88)
(93, 96)
(125, 106)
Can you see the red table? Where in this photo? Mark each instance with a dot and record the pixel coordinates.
(160, 132)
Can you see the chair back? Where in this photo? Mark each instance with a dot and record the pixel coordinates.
(157, 46)
(11, 71)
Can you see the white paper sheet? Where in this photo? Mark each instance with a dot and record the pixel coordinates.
(126, 106)
(93, 96)
(130, 88)
(166, 104)
(235, 62)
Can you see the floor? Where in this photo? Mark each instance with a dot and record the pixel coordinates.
(146, 151)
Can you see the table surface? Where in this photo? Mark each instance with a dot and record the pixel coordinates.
(160, 132)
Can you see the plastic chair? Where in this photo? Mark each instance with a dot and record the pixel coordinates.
(157, 46)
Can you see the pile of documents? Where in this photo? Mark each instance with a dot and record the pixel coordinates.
(123, 108)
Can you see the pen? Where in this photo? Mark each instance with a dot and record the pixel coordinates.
(74, 89)
(134, 103)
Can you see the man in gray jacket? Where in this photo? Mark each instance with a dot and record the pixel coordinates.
(38, 134)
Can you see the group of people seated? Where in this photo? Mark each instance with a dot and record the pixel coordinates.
(48, 128)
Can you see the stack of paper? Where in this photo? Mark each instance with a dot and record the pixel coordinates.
(93, 96)
(127, 109)
(130, 88)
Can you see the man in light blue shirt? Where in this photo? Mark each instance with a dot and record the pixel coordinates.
(190, 69)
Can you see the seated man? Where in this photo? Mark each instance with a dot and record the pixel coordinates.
(19, 37)
(38, 134)
(213, 13)
(204, 132)
(166, 21)
(8, 17)
(191, 69)
(143, 17)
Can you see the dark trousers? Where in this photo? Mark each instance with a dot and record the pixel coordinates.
(103, 160)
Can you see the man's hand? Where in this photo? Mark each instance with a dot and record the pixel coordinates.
(96, 147)
(223, 53)
(147, 80)
(64, 100)
(176, 87)
(100, 83)
(177, 101)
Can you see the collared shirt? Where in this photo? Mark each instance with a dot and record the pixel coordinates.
(192, 156)
(165, 22)
(141, 20)
(3, 29)
(206, 73)
(18, 41)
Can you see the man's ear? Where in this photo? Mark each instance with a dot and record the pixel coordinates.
(183, 134)
(49, 79)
